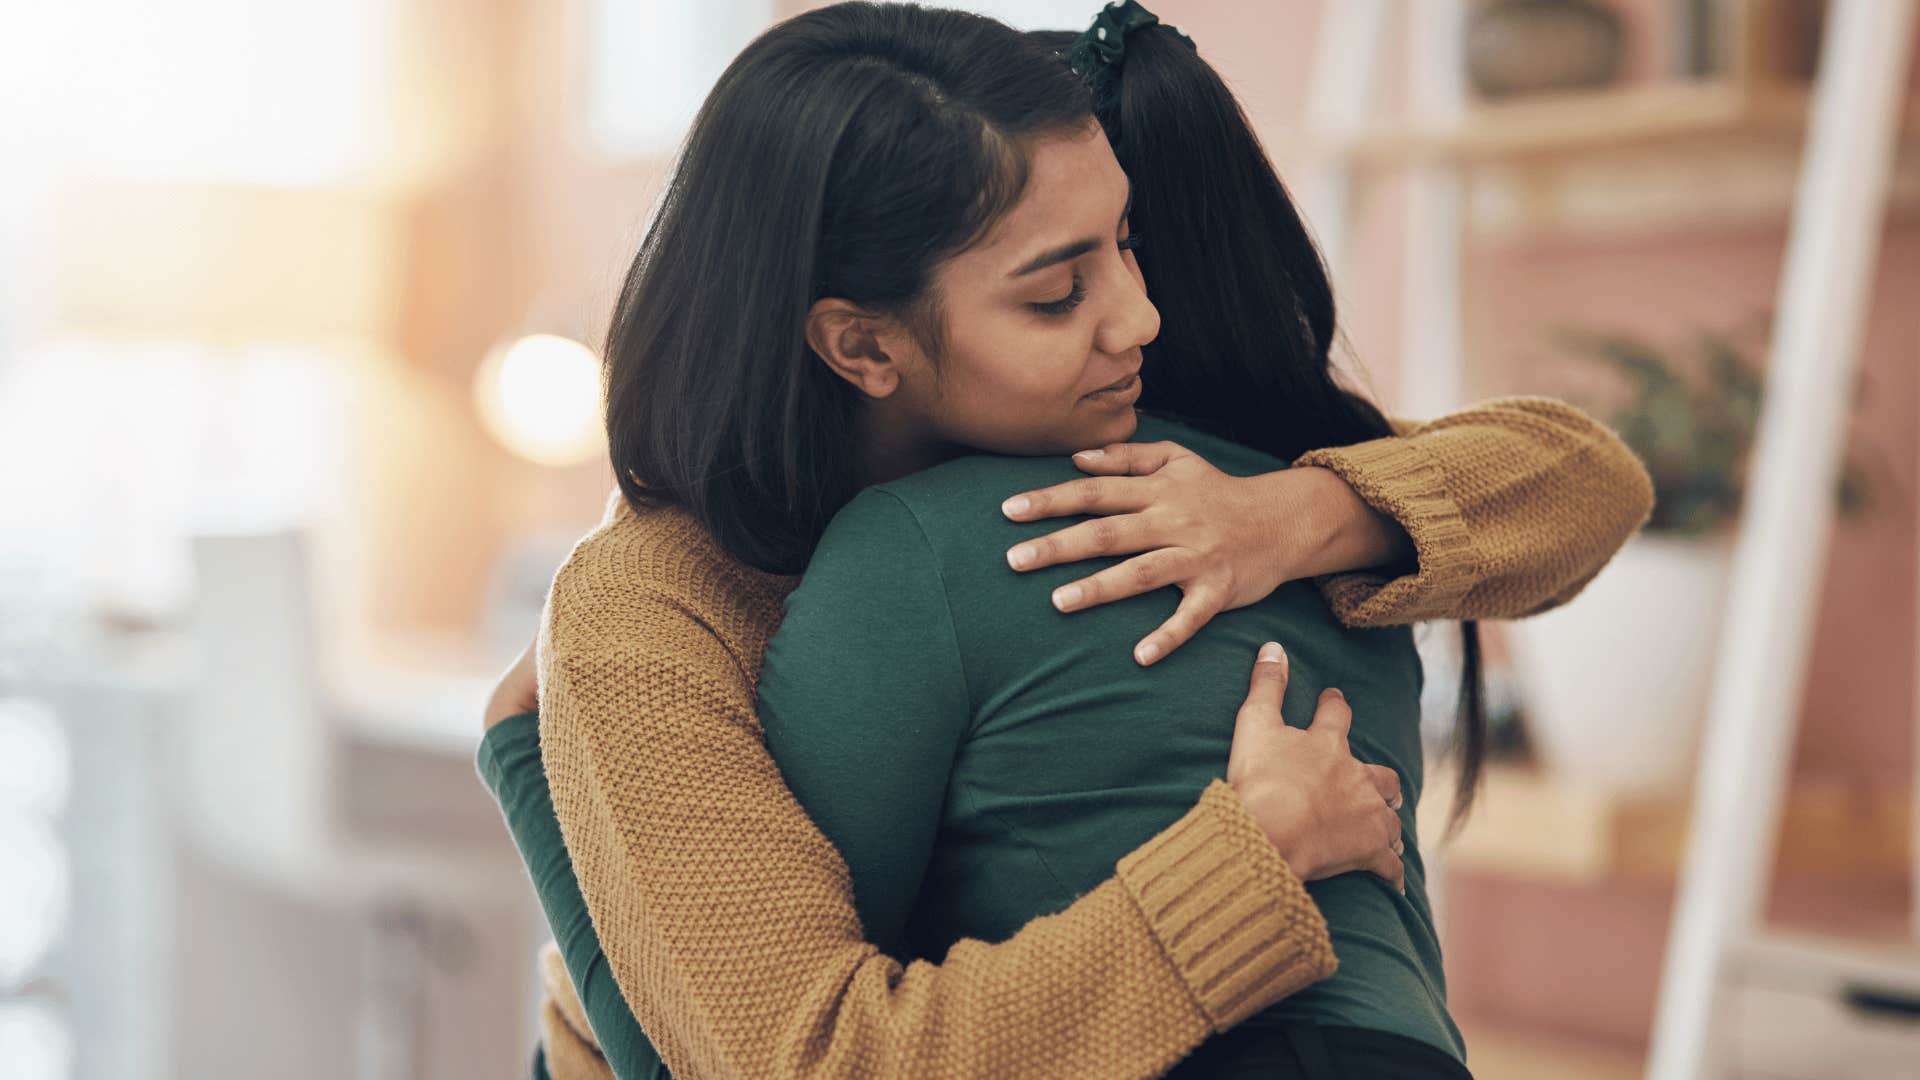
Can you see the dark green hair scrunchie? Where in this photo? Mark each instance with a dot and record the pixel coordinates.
(1097, 54)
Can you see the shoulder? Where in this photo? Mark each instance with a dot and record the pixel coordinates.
(883, 564)
(1223, 454)
(643, 572)
(874, 601)
(878, 542)
(955, 506)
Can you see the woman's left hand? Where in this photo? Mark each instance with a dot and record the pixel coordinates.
(1226, 541)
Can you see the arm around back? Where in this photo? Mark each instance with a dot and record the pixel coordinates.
(727, 918)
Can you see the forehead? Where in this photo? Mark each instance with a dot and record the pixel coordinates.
(1075, 189)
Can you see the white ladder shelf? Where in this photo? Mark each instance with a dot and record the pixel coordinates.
(1832, 243)
(1715, 946)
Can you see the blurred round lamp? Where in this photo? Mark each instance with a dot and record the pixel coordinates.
(540, 396)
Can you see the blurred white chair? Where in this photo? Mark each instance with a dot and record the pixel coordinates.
(381, 841)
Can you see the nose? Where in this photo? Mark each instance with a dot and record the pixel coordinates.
(1133, 321)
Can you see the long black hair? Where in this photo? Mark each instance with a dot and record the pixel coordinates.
(844, 153)
(1246, 306)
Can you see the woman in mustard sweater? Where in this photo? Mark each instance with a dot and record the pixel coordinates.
(723, 914)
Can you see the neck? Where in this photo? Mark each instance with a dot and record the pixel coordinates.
(889, 446)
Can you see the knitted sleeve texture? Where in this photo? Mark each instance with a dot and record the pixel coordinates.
(728, 921)
(1513, 506)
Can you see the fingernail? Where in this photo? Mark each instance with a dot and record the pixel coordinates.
(1147, 653)
(1020, 557)
(1066, 596)
(1335, 691)
(1015, 506)
(1397, 800)
(1091, 455)
(1271, 653)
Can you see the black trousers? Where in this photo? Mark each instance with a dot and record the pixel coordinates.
(1318, 1052)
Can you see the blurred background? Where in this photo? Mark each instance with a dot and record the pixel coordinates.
(298, 404)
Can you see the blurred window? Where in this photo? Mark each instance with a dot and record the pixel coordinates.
(285, 93)
(1034, 14)
(139, 444)
(651, 63)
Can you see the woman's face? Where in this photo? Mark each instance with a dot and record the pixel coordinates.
(1043, 321)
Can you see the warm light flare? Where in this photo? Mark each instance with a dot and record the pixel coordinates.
(540, 396)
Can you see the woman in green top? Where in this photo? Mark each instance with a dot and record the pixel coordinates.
(981, 759)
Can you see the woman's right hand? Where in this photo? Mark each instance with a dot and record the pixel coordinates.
(1324, 809)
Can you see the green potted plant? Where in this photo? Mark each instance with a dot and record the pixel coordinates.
(1616, 682)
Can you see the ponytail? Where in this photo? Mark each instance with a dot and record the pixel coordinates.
(1247, 308)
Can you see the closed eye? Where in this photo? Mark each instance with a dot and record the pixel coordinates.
(1066, 303)
(1133, 241)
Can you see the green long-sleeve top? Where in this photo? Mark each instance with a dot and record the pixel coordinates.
(509, 762)
(1452, 483)
(981, 759)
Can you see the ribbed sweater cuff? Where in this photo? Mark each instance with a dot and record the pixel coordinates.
(1407, 484)
(1236, 922)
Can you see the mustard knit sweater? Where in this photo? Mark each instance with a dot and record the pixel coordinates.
(728, 920)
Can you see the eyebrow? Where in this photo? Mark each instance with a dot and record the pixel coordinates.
(1073, 250)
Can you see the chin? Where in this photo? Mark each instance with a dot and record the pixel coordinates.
(1059, 440)
(1121, 429)
(1118, 426)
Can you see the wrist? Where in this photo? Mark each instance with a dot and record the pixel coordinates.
(1281, 823)
(1345, 532)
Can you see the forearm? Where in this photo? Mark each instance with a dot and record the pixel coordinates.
(729, 919)
(509, 763)
(1512, 507)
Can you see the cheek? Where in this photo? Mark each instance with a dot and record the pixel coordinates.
(1034, 369)
(1019, 391)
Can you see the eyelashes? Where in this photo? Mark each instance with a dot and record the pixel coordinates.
(1064, 305)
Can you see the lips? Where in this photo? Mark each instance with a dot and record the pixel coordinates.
(1122, 383)
(1120, 395)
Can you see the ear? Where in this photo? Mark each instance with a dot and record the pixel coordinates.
(849, 338)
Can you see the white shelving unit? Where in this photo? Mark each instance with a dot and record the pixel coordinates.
(1832, 245)
(1835, 160)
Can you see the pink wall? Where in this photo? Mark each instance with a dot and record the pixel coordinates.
(1860, 697)
(1598, 948)
(1858, 709)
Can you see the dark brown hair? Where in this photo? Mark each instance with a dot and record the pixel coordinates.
(844, 153)
(1246, 307)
